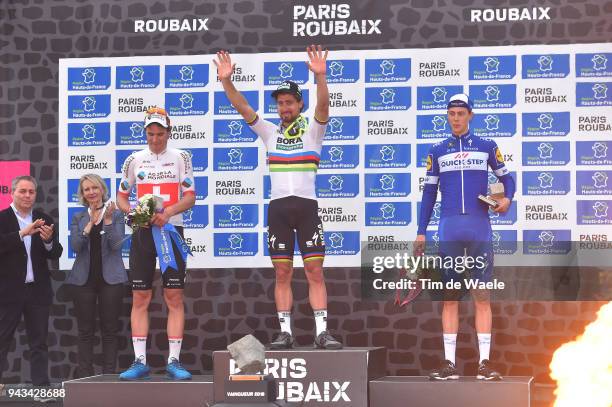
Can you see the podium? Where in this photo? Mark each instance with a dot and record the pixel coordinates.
(313, 376)
(400, 391)
(108, 390)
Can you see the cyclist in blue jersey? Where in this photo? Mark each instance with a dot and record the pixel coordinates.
(459, 166)
(294, 149)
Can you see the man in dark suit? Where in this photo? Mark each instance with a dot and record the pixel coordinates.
(27, 240)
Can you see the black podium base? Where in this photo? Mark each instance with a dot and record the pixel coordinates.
(400, 391)
(279, 403)
(108, 390)
(322, 378)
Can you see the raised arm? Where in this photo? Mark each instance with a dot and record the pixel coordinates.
(225, 69)
(317, 64)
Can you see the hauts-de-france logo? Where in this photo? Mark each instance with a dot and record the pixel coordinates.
(546, 150)
(593, 65)
(546, 124)
(388, 98)
(186, 76)
(335, 182)
(88, 106)
(593, 182)
(387, 213)
(233, 131)
(277, 72)
(492, 67)
(343, 71)
(235, 244)
(439, 123)
(337, 185)
(544, 66)
(89, 131)
(88, 134)
(387, 70)
(339, 156)
(594, 212)
(129, 133)
(493, 96)
(546, 241)
(89, 78)
(492, 122)
(387, 155)
(593, 94)
(187, 104)
(435, 97)
(137, 77)
(89, 75)
(546, 153)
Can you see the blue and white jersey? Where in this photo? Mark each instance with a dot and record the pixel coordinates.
(460, 166)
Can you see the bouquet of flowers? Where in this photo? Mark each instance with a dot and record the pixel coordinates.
(140, 215)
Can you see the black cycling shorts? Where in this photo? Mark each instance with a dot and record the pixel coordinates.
(142, 262)
(291, 216)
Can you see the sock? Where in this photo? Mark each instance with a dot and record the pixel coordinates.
(450, 345)
(174, 344)
(140, 348)
(484, 346)
(284, 317)
(321, 320)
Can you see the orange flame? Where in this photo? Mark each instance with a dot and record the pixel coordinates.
(583, 368)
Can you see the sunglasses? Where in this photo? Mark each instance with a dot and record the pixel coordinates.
(157, 110)
(297, 128)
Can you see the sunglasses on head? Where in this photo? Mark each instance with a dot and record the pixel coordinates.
(157, 110)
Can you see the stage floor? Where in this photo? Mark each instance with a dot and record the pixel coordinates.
(542, 397)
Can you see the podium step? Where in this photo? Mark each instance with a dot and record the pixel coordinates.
(317, 377)
(400, 391)
(108, 390)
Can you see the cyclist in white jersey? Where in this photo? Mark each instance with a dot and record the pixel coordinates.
(294, 148)
(167, 173)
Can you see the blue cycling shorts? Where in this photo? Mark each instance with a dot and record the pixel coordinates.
(462, 237)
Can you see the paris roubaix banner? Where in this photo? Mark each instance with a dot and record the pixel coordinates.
(548, 107)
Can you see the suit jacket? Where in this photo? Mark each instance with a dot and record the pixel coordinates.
(113, 269)
(14, 258)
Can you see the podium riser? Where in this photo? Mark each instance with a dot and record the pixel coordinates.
(319, 378)
(420, 392)
(150, 393)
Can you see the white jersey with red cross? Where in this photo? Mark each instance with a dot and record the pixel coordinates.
(168, 175)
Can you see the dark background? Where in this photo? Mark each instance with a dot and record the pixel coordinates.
(222, 305)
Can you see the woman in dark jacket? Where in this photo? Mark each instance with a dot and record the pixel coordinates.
(98, 273)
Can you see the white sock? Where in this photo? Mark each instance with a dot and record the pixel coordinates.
(321, 320)
(174, 344)
(140, 348)
(450, 345)
(284, 318)
(484, 346)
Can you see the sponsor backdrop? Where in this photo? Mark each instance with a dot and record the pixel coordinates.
(222, 305)
(548, 109)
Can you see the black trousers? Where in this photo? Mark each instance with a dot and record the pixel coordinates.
(107, 299)
(36, 317)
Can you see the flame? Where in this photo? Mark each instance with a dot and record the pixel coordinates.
(583, 368)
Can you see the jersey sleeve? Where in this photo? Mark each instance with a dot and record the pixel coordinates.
(318, 128)
(430, 190)
(496, 160)
(497, 164)
(263, 128)
(187, 183)
(128, 179)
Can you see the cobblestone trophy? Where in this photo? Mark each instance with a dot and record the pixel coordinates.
(250, 387)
